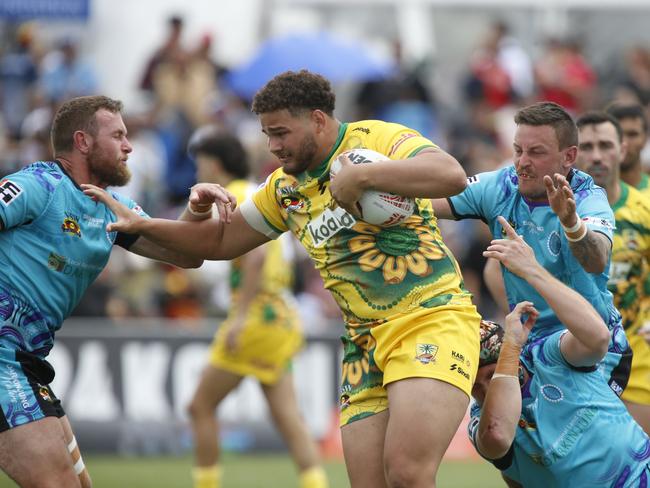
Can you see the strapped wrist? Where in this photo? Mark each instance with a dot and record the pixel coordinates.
(583, 232)
(574, 228)
(199, 213)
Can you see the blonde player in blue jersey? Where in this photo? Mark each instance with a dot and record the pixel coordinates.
(53, 244)
(560, 213)
(260, 335)
(411, 347)
(601, 151)
(544, 414)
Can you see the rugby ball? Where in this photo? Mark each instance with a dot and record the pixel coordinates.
(376, 207)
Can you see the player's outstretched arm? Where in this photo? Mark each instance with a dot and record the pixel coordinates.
(501, 408)
(204, 239)
(591, 249)
(588, 337)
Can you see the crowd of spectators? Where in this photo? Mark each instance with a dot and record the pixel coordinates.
(184, 88)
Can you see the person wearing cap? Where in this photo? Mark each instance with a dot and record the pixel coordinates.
(542, 414)
(261, 333)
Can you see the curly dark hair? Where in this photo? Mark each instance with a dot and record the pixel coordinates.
(78, 114)
(295, 92)
(549, 113)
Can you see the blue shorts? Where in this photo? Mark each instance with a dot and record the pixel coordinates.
(25, 395)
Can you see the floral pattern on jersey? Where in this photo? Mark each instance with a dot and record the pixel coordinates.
(396, 250)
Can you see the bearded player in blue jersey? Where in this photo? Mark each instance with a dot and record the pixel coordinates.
(560, 213)
(53, 244)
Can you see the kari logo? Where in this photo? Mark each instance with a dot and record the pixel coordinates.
(70, 226)
(426, 353)
(9, 191)
(329, 223)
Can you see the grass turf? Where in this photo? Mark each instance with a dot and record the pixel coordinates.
(252, 471)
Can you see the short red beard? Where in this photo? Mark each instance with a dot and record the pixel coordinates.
(106, 169)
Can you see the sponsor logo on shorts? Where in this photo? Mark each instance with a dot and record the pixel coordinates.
(45, 393)
(426, 353)
(459, 370)
(9, 191)
(17, 394)
(70, 225)
(461, 358)
(329, 223)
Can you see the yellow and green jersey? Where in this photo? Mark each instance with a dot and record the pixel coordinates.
(277, 274)
(644, 186)
(629, 277)
(374, 273)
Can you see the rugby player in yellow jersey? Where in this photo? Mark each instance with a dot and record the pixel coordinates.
(635, 136)
(601, 150)
(260, 335)
(412, 341)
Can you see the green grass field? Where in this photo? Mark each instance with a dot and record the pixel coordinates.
(252, 471)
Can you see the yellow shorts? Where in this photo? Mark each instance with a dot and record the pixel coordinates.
(638, 386)
(271, 337)
(440, 343)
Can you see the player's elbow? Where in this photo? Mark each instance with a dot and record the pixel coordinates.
(456, 178)
(601, 337)
(495, 441)
(192, 263)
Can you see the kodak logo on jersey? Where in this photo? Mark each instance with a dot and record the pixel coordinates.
(329, 223)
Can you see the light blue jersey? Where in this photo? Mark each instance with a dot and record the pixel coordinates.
(52, 247)
(573, 432)
(489, 195)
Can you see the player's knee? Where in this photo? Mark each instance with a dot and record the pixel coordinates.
(197, 408)
(403, 473)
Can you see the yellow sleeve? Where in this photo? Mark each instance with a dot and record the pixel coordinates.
(262, 211)
(400, 142)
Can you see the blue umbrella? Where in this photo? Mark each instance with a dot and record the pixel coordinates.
(336, 59)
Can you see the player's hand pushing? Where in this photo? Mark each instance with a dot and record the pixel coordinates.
(512, 252)
(561, 198)
(203, 195)
(127, 220)
(517, 331)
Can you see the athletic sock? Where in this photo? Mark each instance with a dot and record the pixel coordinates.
(207, 477)
(313, 477)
